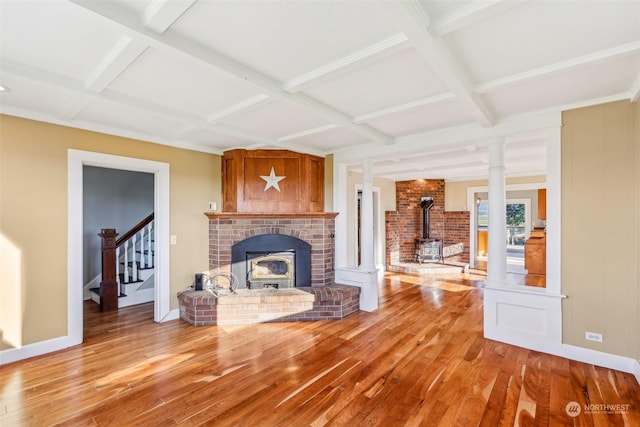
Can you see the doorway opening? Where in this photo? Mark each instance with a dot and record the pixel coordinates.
(378, 235)
(121, 200)
(77, 160)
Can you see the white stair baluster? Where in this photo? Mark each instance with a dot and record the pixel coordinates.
(149, 262)
(118, 281)
(134, 262)
(125, 269)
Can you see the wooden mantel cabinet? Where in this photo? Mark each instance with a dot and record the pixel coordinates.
(245, 183)
(535, 253)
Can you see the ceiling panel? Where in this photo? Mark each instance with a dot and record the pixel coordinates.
(422, 119)
(181, 83)
(395, 80)
(129, 119)
(330, 140)
(36, 97)
(54, 36)
(284, 39)
(542, 33)
(273, 120)
(595, 81)
(211, 139)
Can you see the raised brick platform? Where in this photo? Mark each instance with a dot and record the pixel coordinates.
(202, 308)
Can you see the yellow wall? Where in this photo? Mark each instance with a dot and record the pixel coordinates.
(328, 183)
(600, 226)
(455, 192)
(33, 219)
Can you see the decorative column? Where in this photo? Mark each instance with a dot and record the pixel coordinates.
(497, 254)
(109, 285)
(366, 218)
(369, 274)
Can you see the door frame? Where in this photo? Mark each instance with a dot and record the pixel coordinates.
(77, 159)
(378, 230)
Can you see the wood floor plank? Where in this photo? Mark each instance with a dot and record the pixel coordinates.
(419, 360)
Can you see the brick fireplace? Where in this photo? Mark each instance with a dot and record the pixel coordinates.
(276, 240)
(316, 229)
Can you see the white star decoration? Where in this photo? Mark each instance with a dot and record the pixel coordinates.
(272, 180)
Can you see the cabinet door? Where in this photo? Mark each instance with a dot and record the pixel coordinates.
(542, 203)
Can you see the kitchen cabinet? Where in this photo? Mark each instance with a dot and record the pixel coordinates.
(535, 253)
(542, 203)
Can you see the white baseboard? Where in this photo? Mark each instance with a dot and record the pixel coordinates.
(32, 350)
(56, 344)
(532, 318)
(173, 315)
(599, 358)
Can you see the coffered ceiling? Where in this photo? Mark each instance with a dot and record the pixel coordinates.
(417, 86)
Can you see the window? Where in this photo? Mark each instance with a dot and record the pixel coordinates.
(518, 225)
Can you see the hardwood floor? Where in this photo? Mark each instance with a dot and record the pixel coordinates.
(420, 360)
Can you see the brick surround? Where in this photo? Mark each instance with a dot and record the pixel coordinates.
(317, 229)
(404, 225)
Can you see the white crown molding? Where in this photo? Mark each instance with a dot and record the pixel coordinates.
(635, 89)
(109, 130)
(369, 54)
(414, 22)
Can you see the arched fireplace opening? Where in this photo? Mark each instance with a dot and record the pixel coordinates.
(271, 260)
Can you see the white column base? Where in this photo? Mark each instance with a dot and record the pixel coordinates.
(366, 280)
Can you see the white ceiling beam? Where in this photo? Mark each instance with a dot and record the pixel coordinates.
(415, 24)
(459, 135)
(120, 57)
(159, 15)
(240, 134)
(240, 107)
(183, 46)
(569, 64)
(307, 132)
(475, 169)
(404, 107)
(375, 52)
(473, 12)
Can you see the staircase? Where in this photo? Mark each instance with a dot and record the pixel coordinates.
(130, 277)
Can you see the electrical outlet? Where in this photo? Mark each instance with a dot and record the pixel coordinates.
(174, 239)
(592, 336)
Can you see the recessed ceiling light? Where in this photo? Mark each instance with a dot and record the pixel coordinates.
(4, 89)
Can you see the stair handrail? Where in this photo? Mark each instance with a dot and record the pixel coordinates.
(111, 249)
(134, 230)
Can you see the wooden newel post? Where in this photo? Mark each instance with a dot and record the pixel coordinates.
(109, 285)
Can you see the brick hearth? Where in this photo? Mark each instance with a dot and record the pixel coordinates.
(203, 308)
